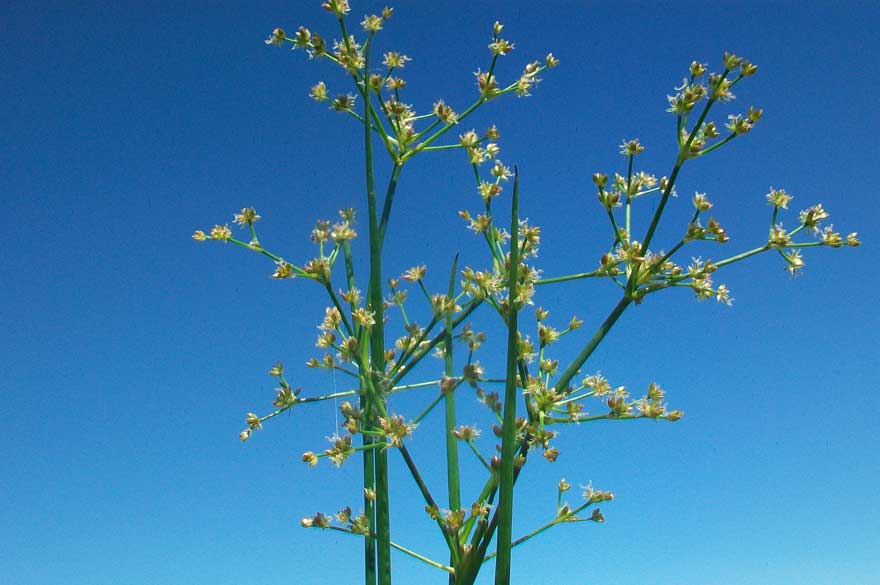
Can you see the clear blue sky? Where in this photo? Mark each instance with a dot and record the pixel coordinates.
(130, 354)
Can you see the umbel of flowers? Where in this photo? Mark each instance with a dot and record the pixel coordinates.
(369, 330)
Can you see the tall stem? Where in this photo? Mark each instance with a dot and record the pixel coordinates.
(368, 453)
(508, 428)
(377, 339)
(452, 467)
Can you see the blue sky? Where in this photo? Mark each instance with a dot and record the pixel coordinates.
(130, 354)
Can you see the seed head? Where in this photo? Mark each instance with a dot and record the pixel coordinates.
(253, 421)
(813, 216)
(731, 61)
(277, 37)
(747, 69)
(338, 7)
(445, 113)
(372, 23)
(221, 232)
(283, 270)
(779, 198)
(701, 202)
(343, 102)
(500, 47)
(466, 433)
(302, 38)
(698, 69)
(395, 60)
(247, 216)
(631, 147)
(415, 274)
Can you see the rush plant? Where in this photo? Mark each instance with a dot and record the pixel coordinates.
(369, 331)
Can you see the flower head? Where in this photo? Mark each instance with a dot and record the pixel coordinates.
(247, 216)
(631, 147)
(277, 37)
(221, 232)
(779, 198)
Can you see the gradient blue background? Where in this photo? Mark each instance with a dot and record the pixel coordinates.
(130, 354)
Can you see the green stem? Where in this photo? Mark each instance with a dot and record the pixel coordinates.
(479, 455)
(428, 410)
(717, 145)
(377, 333)
(443, 147)
(629, 171)
(378, 130)
(369, 480)
(742, 256)
(423, 558)
(573, 368)
(673, 281)
(452, 467)
(338, 306)
(508, 432)
(429, 499)
(555, 279)
(327, 396)
(485, 530)
(402, 549)
(389, 200)
(682, 154)
(614, 227)
(539, 530)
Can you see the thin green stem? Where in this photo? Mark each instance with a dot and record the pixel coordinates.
(423, 558)
(628, 204)
(717, 145)
(388, 140)
(479, 455)
(428, 410)
(573, 368)
(389, 200)
(330, 396)
(443, 147)
(430, 501)
(402, 549)
(614, 227)
(556, 521)
(682, 154)
(675, 280)
(566, 278)
(742, 256)
(338, 305)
